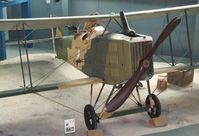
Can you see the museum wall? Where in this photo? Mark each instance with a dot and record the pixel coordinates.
(150, 27)
(196, 39)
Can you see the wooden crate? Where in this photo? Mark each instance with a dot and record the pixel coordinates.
(97, 132)
(161, 83)
(180, 78)
(159, 121)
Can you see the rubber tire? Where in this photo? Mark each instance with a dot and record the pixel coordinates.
(90, 117)
(156, 110)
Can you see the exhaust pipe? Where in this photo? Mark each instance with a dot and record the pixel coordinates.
(126, 30)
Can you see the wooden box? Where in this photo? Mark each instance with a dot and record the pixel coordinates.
(159, 121)
(161, 83)
(97, 132)
(180, 78)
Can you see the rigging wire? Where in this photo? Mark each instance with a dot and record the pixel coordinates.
(65, 106)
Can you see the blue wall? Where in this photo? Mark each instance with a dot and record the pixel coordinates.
(2, 39)
(196, 38)
(82, 7)
(151, 27)
(25, 12)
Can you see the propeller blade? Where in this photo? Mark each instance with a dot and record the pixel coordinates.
(165, 33)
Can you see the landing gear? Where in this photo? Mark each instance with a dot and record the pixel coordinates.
(152, 103)
(90, 117)
(153, 106)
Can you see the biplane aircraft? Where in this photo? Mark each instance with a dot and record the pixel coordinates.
(119, 59)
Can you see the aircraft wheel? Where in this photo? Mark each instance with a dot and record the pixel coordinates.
(90, 117)
(153, 106)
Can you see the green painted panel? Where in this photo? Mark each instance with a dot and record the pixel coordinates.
(115, 57)
(61, 47)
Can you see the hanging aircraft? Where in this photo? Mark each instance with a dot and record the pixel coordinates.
(120, 59)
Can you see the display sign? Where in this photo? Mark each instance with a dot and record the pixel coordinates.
(69, 126)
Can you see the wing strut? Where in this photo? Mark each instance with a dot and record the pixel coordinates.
(188, 38)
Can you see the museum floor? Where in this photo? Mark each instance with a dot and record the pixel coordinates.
(43, 114)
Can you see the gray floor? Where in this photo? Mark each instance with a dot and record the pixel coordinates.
(36, 115)
(191, 130)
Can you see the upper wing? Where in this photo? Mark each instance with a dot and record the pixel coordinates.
(52, 22)
(190, 9)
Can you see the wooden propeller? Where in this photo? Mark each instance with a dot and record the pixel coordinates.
(126, 90)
